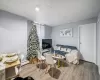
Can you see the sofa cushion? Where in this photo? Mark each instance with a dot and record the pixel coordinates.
(60, 52)
(64, 49)
(67, 46)
(69, 50)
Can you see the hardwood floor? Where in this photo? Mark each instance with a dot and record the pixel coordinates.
(84, 71)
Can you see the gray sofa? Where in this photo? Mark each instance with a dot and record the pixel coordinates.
(64, 46)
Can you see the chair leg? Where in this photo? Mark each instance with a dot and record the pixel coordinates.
(52, 72)
(47, 69)
(55, 65)
(40, 65)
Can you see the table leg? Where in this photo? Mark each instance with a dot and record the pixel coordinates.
(62, 64)
(58, 63)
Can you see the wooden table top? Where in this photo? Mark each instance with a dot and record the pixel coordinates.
(57, 56)
(8, 65)
(12, 64)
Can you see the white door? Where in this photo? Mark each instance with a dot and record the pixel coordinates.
(87, 41)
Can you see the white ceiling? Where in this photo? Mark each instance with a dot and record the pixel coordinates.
(53, 12)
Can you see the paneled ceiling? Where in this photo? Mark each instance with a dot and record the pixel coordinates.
(53, 12)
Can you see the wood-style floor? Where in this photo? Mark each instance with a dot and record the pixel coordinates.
(84, 71)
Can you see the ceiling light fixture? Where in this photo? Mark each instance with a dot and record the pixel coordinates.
(37, 8)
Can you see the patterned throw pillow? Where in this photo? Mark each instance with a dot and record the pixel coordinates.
(68, 50)
(58, 48)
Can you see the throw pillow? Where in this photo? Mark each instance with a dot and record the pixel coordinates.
(58, 47)
(63, 49)
(68, 50)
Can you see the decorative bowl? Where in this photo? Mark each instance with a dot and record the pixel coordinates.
(10, 54)
(11, 59)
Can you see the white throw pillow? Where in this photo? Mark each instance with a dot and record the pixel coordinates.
(74, 51)
(75, 54)
(68, 50)
(63, 49)
(58, 47)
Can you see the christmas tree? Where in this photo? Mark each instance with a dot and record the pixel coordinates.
(33, 43)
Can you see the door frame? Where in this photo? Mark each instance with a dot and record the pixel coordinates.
(95, 40)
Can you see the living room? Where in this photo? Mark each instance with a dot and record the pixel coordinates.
(28, 26)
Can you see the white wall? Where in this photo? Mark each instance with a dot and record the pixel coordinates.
(48, 31)
(13, 33)
(73, 41)
(98, 41)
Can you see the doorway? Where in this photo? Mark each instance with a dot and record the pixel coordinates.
(87, 42)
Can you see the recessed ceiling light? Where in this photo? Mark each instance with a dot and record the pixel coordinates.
(37, 8)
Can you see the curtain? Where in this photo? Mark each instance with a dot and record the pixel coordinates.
(33, 43)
